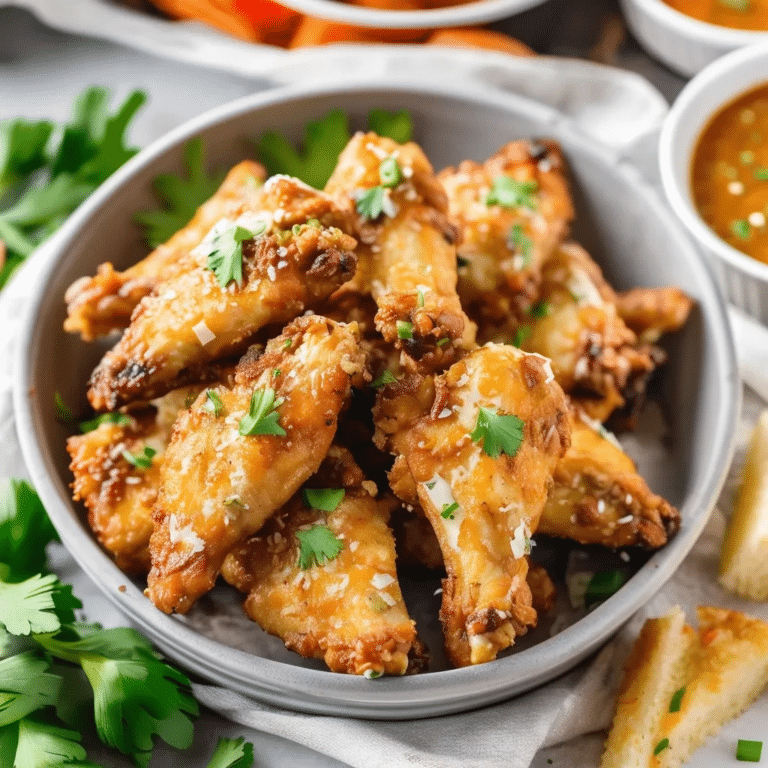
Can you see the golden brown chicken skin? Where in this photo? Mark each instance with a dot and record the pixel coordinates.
(118, 494)
(599, 498)
(407, 253)
(347, 610)
(219, 486)
(652, 312)
(98, 305)
(513, 210)
(482, 508)
(190, 319)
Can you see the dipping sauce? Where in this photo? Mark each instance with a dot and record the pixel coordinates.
(729, 175)
(739, 14)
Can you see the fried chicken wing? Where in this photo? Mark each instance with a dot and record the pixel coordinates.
(190, 319)
(224, 476)
(104, 303)
(118, 494)
(407, 253)
(347, 610)
(513, 210)
(599, 498)
(482, 508)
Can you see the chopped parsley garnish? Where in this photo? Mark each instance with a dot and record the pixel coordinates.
(213, 403)
(390, 174)
(317, 545)
(602, 585)
(63, 411)
(749, 751)
(443, 342)
(520, 242)
(661, 746)
(287, 343)
(761, 174)
(225, 253)
(141, 460)
(540, 309)
(522, 334)
(448, 509)
(397, 126)
(431, 484)
(262, 418)
(180, 197)
(371, 203)
(499, 433)
(104, 418)
(677, 700)
(419, 297)
(232, 753)
(372, 674)
(326, 499)
(511, 193)
(404, 329)
(741, 228)
(381, 381)
(737, 5)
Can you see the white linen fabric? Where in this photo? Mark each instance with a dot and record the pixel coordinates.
(514, 734)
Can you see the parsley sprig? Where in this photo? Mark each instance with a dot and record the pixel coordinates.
(499, 432)
(225, 253)
(262, 417)
(317, 545)
(512, 193)
(325, 499)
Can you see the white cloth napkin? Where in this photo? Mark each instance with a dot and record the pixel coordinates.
(512, 733)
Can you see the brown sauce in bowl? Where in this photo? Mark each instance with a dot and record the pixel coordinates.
(729, 174)
(738, 14)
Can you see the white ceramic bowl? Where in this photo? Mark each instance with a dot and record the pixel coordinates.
(683, 43)
(470, 12)
(743, 279)
(620, 220)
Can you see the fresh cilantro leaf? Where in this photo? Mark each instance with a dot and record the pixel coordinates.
(180, 196)
(317, 545)
(397, 126)
(521, 243)
(25, 529)
(262, 418)
(442, 342)
(522, 334)
(40, 604)
(371, 203)
(25, 686)
(381, 381)
(40, 745)
(761, 174)
(82, 639)
(741, 228)
(225, 253)
(326, 499)
(540, 309)
(499, 433)
(323, 141)
(104, 418)
(22, 149)
(390, 174)
(10, 264)
(602, 585)
(213, 403)
(448, 509)
(63, 411)
(404, 329)
(39, 204)
(512, 193)
(141, 460)
(232, 753)
(677, 700)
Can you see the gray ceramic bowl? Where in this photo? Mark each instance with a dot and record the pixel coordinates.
(620, 220)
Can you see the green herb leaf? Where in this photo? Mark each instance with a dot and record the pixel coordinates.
(323, 141)
(522, 334)
(677, 700)
(371, 203)
(397, 126)
(381, 381)
(499, 433)
(262, 418)
(749, 751)
(326, 499)
(390, 174)
(141, 460)
(443, 342)
(540, 309)
(105, 418)
(40, 604)
(520, 243)
(25, 686)
(213, 403)
(741, 228)
(761, 174)
(39, 744)
(404, 329)
(317, 545)
(448, 510)
(180, 196)
(661, 746)
(511, 193)
(39, 204)
(602, 585)
(737, 5)
(63, 411)
(232, 753)
(225, 253)
(22, 149)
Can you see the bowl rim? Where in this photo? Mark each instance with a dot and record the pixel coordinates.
(677, 189)
(469, 12)
(436, 693)
(701, 31)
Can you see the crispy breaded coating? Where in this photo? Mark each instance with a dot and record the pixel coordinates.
(503, 246)
(407, 255)
(652, 312)
(483, 509)
(219, 486)
(118, 495)
(348, 610)
(190, 319)
(104, 303)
